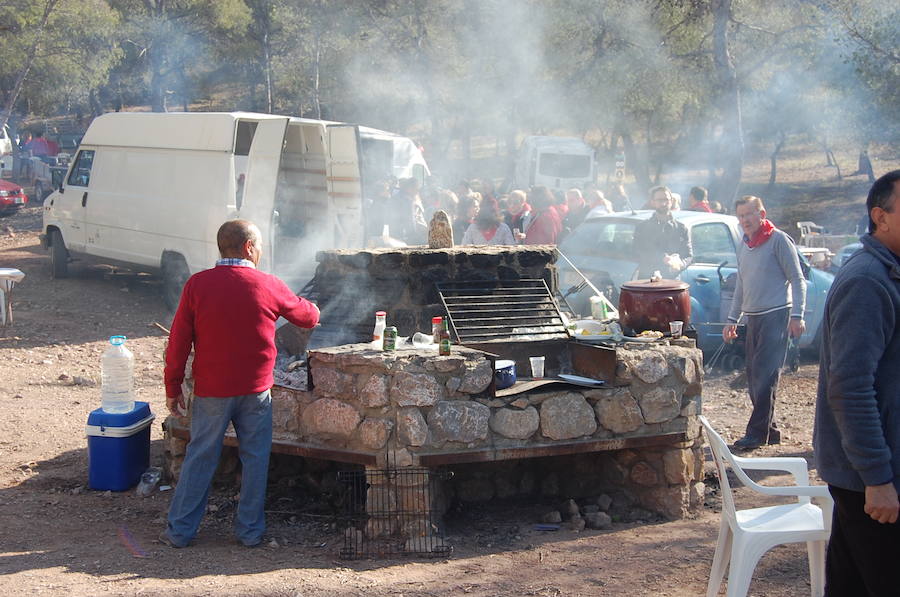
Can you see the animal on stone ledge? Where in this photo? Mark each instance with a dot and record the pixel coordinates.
(440, 231)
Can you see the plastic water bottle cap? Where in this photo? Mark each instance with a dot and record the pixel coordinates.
(117, 340)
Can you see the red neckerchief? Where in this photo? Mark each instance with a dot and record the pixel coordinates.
(762, 234)
(490, 232)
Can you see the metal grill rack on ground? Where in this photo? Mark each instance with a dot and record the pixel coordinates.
(394, 512)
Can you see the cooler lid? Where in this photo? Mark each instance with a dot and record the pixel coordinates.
(657, 286)
(99, 418)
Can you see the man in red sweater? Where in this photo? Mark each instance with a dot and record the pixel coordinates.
(227, 314)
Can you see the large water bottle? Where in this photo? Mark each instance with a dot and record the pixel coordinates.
(117, 371)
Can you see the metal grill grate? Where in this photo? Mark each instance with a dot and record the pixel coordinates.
(502, 310)
(394, 512)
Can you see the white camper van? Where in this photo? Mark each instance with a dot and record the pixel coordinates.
(149, 191)
(558, 163)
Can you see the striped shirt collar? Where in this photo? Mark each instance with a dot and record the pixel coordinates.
(235, 261)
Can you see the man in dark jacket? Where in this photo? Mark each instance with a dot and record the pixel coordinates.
(857, 429)
(662, 243)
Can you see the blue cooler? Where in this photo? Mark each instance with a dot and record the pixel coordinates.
(118, 447)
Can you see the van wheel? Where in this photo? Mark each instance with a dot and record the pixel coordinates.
(59, 256)
(174, 274)
(39, 192)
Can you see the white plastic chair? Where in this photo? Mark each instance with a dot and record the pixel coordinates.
(745, 535)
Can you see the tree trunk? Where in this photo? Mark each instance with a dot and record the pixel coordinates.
(732, 148)
(773, 158)
(267, 65)
(638, 164)
(316, 66)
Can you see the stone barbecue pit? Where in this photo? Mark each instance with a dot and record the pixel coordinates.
(636, 438)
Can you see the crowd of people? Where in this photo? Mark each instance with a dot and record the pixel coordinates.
(481, 215)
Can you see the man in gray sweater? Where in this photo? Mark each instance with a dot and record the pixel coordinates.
(857, 433)
(771, 295)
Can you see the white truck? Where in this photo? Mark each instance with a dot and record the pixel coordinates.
(149, 191)
(558, 163)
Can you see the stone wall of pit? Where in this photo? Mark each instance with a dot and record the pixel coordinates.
(350, 285)
(406, 404)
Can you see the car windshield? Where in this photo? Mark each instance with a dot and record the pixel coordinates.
(561, 165)
(602, 238)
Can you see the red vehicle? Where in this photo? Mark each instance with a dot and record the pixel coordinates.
(12, 197)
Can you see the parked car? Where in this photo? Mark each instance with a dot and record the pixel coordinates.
(844, 252)
(602, 249)
(12, 197)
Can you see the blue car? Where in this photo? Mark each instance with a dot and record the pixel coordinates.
(602, 250)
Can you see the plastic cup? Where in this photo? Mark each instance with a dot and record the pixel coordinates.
(676, 327)
(537, 367)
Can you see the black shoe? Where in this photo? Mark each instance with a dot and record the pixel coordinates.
(747, 443)
(774, 437)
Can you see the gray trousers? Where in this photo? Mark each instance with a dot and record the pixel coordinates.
(766, 346)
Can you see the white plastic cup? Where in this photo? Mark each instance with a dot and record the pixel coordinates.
(676, 327)
(537, 367)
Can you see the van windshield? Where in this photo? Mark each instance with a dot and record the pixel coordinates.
(562, 165)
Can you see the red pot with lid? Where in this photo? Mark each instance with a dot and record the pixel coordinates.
(651, 305)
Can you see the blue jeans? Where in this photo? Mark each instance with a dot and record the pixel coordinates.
(252, 418)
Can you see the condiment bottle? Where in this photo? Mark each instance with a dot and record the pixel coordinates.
(378, 332)
(436, 329)
(444, 344)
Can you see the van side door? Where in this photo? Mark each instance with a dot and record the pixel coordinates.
(69, 205)
(262, 141)
(345, 186)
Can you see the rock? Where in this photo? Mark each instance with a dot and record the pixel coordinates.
(644, 474)
(83, 381)
(570, 507)
(678, 466)
(415, 389)
(590, 509)
(477, 378)
(620, 412)
(576, 523)
(412, 430)
(652, 367)
(63, 377)
(332, 383)
(659, 405)
(374, 433)
(459, 421)
(598, 520)
(567, 417)
(697, 495)
(552, 517)
(604, 502)
(520, 403)
(285, 412)
(374, 391)
(330, 418)
(446, 364)
(515, 424)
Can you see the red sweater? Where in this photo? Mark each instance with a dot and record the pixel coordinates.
(228, 314)
(544, 229)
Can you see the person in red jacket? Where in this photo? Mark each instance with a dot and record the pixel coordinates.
(545, 227)
(227, 315)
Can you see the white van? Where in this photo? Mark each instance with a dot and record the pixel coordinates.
(149, 191)
(558, 163)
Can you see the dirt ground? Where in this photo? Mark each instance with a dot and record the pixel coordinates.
(59, 538)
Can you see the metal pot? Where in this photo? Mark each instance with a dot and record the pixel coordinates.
(504, 374)
(647, 305)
